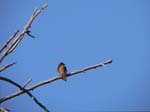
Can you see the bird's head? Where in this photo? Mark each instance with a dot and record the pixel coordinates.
(61, 63)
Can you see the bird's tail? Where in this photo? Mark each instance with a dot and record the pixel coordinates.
(64, 77)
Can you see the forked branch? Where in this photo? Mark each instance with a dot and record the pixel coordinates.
(21, 35)
(54, 79)
(25, 91)
(12, 45)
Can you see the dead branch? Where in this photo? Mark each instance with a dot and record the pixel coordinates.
(7, 66)
(91, 67)
(11, 48)
(68, 75)
(27, 82)
(24, 90)
(54, 79)
(25, 31)
(8, 41)
(4, 109)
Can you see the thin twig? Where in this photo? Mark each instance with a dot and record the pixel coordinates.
(8, 41)
(91, 67)
(25, 31)
(4, 109)
(6, 66)
(27, 82)
(54, 79)
(24, 90)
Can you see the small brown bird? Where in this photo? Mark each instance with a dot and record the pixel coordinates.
(62, 70)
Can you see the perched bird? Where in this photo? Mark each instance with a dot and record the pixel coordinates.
(62, 70)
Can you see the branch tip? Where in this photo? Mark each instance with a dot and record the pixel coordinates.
(27, 82)
(44, 6)
(7, 66)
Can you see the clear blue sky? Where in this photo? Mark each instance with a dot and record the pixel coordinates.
(80, 33)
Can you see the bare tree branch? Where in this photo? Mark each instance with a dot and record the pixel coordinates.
(8, 41)
(12, 47)
(68, 75)
(25, 31)
(27, 82)
(4, 109)
(24, 90)
(91, 67)
(6, 66)
(54, 79)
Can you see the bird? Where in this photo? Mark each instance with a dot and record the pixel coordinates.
(62, 70)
